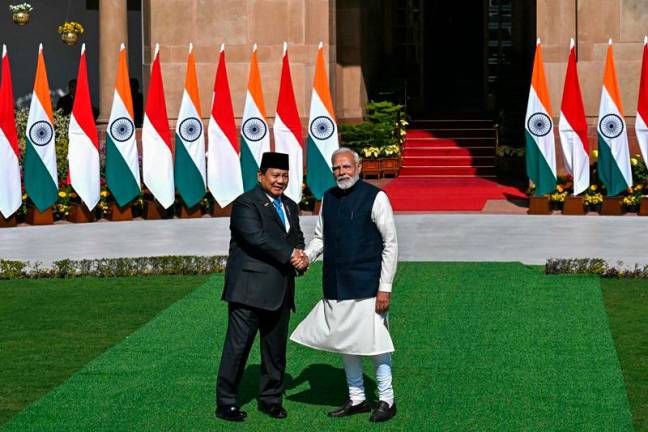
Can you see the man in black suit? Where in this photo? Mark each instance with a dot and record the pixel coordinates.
(259, 288)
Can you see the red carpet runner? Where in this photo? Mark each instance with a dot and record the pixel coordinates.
(446, 194)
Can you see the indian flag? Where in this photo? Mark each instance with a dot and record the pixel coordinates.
(190, 141)
(255, 139)
(10, 189)
(573, 127)
(540, 145)
(614, 159)
(41, 179)
(122, 164)
(223, 164)
(83, 148)
(287, 131)
(157, 150)
(641, 123)
(322, 132)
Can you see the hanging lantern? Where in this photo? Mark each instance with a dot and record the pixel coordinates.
(20, 13)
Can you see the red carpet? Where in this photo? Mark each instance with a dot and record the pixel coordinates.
(446, 194)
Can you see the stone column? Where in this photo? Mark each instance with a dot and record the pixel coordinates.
(113, 30)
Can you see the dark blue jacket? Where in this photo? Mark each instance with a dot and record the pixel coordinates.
(352, 243)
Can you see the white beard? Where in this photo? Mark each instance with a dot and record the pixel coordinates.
(347, 183)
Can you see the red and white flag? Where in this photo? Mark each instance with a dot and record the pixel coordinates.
(573, 127)
(641, 123)
(288, 131)
(157, 150)
(223, 165)
(83, 148)
(10, 189)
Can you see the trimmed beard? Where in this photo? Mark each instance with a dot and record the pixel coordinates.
(347, 182)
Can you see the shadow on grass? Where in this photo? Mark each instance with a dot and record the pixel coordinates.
(327, 385)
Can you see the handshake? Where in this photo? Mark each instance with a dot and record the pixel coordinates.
(299, 260)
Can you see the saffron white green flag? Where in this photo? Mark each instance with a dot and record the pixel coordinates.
(322, 132)
(122, 163)
(540, 144)
(10, 188)
(614, 168)
(190, 141)
(41, 178)
(255, 136)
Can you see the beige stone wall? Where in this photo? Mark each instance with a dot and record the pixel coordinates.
(592, 24)
(239, 24)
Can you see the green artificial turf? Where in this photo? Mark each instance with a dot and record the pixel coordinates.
(480, 347)
(52, 328)
(627, 305)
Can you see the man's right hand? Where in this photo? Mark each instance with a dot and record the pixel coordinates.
(299, 259)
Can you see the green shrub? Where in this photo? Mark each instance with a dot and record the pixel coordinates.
(114, 267)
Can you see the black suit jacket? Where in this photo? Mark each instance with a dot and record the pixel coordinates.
(258, 271)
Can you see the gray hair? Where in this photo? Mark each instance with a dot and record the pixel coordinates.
(356, 156)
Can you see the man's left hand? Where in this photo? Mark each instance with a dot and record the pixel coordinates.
(382, 301)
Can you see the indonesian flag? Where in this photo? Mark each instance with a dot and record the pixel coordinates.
(322, 132)
(10, 189)
(157, 150)
(255, 139)
(573, 127)
(287, 131)
(540, 146)
(41, 179)
(190, 141)
(614, 158)
(83, 148)
(122, 164)
(641, 122)
(223, 164)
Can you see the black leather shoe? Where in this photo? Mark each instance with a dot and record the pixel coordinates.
(230, 413)
(274, 410)
(383, 412)
(349, 409)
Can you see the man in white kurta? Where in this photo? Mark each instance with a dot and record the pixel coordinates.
(357, 327)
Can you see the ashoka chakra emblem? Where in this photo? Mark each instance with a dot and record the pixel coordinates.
(322, 127)
(190, 129)
(41, 133)
(254, 129)
(611, 126)
(539, 124)
(122, 129)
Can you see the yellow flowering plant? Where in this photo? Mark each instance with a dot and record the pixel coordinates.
(71, 27)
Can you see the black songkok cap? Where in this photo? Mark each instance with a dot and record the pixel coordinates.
(274, 160)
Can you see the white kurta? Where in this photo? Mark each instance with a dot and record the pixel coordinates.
(353, 326)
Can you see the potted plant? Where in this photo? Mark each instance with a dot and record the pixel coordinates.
(390, 163)
(70, 31)
(593, 198)
(20, 13)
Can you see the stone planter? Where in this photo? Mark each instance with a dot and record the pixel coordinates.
(389, 166)
(371, 167)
